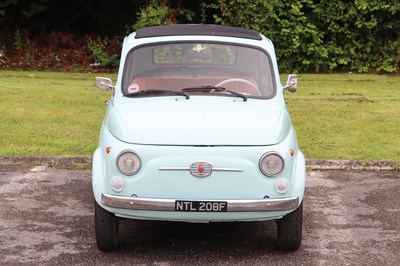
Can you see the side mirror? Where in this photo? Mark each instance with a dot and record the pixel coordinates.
(291, 83)
(104, 84)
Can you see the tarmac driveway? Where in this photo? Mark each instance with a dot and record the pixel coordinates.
(350, 218)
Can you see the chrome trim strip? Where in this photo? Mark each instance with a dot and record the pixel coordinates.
(148, 204)
(174, 168)
(188, 168)
(228, 169)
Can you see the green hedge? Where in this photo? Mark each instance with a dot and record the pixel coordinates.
(309, 35)
(325, 35)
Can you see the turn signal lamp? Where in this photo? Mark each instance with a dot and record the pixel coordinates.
(118, 184)
(281, 186)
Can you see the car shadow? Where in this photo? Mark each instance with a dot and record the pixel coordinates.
(171, 240)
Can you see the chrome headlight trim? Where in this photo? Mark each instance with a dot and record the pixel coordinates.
(132, 166)
(273, 156)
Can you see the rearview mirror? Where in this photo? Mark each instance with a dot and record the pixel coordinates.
(291, 83)
(104, 84)
(201, 53)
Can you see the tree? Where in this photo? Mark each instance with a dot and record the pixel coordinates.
(309, 35)
(323, 35)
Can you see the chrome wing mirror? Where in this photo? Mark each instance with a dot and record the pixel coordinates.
(291, 83)
(104, 84)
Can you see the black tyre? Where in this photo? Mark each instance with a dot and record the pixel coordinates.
(290, 230)
(106, 228)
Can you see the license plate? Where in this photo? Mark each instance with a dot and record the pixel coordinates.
(201, 206)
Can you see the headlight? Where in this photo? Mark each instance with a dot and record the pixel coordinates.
(271, 164)
(128, 163)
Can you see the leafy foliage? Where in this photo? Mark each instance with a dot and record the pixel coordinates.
(98, 49)
(158, 12)
(309, 35)
(154, 14)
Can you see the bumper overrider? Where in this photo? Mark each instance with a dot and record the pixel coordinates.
(148, 204)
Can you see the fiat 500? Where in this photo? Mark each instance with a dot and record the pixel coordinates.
(197, 130)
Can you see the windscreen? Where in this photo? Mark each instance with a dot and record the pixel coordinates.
(176, 66)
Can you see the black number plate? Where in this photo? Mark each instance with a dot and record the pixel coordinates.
(201, 206)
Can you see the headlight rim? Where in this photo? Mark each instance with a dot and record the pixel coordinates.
(128, 173)
(267, 154)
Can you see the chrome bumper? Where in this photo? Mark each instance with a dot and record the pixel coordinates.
(147, 204)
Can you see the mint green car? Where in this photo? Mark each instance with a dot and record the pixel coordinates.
(197, 130)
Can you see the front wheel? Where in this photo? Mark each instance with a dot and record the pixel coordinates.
(290, 230)
(106, 228)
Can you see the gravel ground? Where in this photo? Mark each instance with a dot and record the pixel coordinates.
(350, 218)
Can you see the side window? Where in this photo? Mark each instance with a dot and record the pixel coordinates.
(264, 74)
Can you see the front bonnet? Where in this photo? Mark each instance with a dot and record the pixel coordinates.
(198, 121)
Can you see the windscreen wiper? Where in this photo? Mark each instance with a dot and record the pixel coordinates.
(209, 88)
(143, 92)
(212, 89)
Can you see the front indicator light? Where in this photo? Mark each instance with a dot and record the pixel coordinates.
(271, 164)
(118, 184)
(281, 186)
(128, 163)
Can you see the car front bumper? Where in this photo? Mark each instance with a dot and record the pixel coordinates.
(146, 204)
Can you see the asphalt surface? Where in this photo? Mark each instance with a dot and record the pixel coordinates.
(350, 218)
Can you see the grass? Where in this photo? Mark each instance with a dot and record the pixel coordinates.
(337, 116)
(347, 116)
(49, 113)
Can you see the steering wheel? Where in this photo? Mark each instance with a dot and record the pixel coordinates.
(232, 80)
